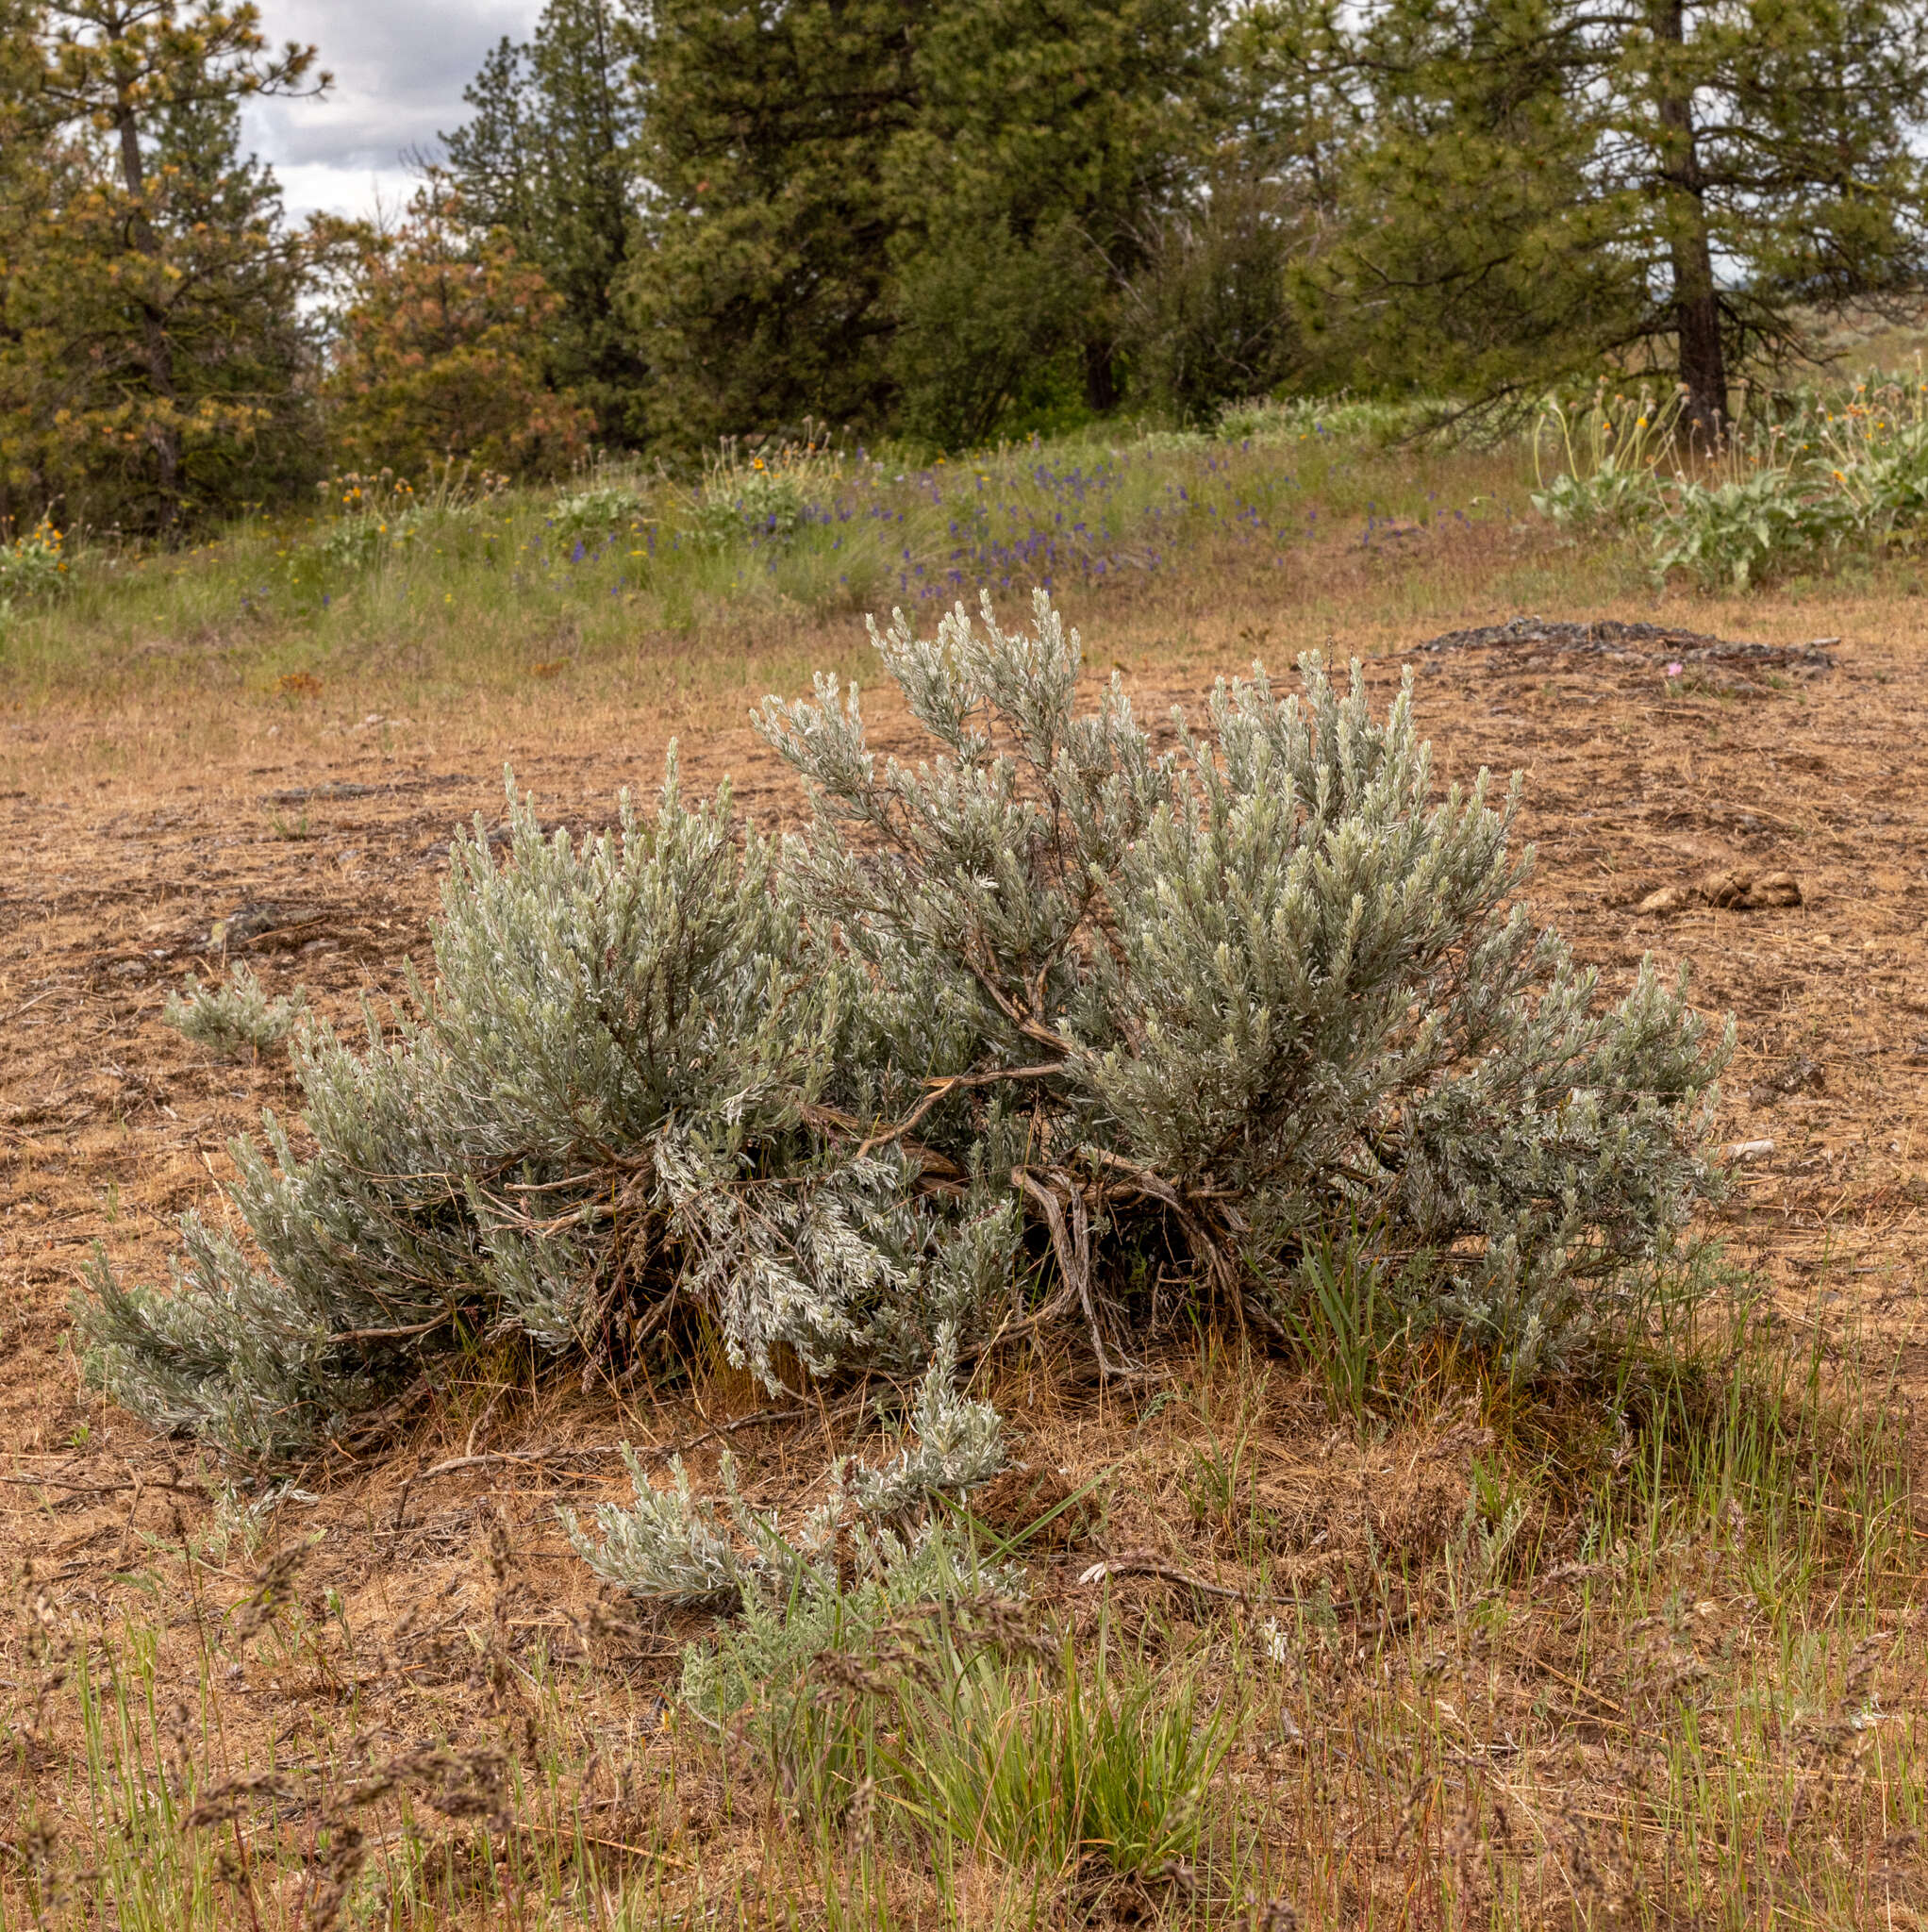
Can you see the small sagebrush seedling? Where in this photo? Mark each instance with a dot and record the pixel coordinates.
(673, 1544)
(237, 1021)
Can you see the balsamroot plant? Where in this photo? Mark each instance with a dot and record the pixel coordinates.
(1060, 1025)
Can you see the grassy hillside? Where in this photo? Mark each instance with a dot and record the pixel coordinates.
(449, 583)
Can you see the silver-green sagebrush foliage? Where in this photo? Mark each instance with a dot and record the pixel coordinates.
(1004, 1038)
(235, 1020)
(673, 1544)
(879, 1540)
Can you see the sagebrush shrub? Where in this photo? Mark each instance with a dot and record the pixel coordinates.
(671, 1544)
(236, 1021)
(878, 1542)
(1002, 1034)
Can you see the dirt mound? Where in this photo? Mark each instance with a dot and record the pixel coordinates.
(1653, 643)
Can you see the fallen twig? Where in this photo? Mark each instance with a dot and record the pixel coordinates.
(1143, 1563)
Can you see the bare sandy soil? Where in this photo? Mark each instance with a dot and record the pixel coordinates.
(323, 868)
(320, 864)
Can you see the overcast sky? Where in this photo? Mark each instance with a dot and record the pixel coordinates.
(399, 66)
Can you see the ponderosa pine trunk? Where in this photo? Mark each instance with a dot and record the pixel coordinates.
(1100, 375)
(157, 350)
(1703, 359)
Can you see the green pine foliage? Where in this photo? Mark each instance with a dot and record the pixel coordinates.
(547, 157)
(904, 213)
(1531, 185)
(1203, 324)
(1467, 241)
(1045, 149)
(153, 348)
(1006, 1028)
(951, 222)
(762, 294)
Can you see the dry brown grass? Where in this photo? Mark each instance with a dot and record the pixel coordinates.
(1651, 1707)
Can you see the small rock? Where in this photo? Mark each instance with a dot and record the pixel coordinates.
(1749, 1150)
(1734, 889)
(1657, 905)
(1726, 888)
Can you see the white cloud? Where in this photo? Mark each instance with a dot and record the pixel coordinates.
(400, 67)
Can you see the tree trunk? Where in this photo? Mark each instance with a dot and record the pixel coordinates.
(1703, 359)
(1100, 377)
(158, 350)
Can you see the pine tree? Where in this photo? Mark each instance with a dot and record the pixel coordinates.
(762, 293)
(1046, 143)
(1473, 253)
(35, 171)
(1775, 137)
(160, 312)
(441, 352)
(909, 211)
(548, 158)
(1537, 183)
(494, 158)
